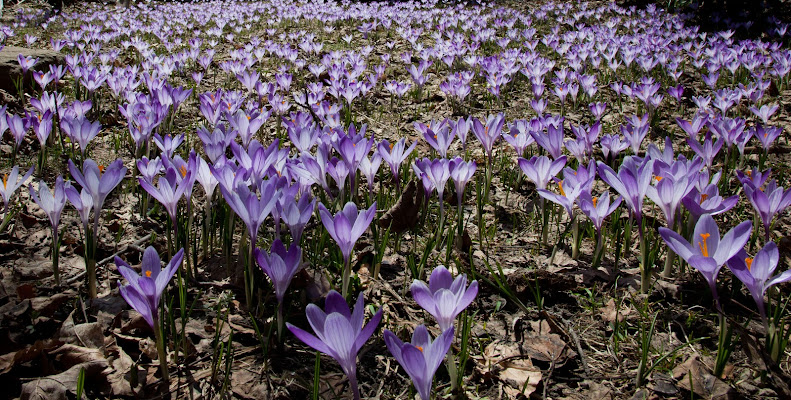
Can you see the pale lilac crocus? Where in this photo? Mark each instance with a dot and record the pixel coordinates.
(708, 252)
(52, 203)
(345, 228)
(422, 357)
(444, 297)
(340, 332)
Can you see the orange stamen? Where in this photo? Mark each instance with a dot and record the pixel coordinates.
(703, 198)
(419, 348)
(704, 247)
(148, 274)
(658, 178)
(595, 200)
(183, 171)
(560, 187)
(749, 262)
(101, 169)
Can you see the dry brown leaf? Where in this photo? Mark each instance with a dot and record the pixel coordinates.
(64, 385)
(504, 360)
(70, 355)
(10, 360)
(610, 312)
(693, 376)
(404, 214)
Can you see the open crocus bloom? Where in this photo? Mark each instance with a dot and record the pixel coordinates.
(708, 252)
(421, 358)
(756, 273)
(144, 291)
(444, 297)
(339, 332)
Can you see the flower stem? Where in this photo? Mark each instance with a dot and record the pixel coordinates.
(162, 354)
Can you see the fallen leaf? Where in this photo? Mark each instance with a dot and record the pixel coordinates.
(504, 360)
(64, 385)
(404, 214)
(610, 312)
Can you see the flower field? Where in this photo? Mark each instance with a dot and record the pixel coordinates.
(394, 200)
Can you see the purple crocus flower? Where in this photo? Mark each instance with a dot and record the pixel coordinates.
(98, 181)
(708, 201)
(346, 227)
(11, 183)
(438, 135)
(631, 182)
(394, 155)
(144, 291)
(756, 273)
(18, 128)
(597, 208)
(489, 132)
(80, 130)
(668, 194)
(249, 206)
(768, 202)
(340, 332)
(297, 214)
(708, 252)
(444, 297)
(421, 358)
(461, 172)
(280, 265)
(52, 202)
(540, 170)
(168, 191)
(552, 140)
(706, 150)
(766, 135)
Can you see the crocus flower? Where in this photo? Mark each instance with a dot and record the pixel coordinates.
(280, 265)
(297, 214)
(11, 182)
(708, 201)
(346, 227)
(168, 191)
(708, 252)
(81, 131)
(597, 208)
(767, 135)
(18, 128)
(421, 358)
(488, 133)
(143, 291)
(444, 297)
(99, 182)
(756, 273)
(395, 154)
(552, 140)
(251, 208)
(438, 135)
(340, 332)
(631, 182)
(540, 170)
(461, 172)
(668, 194)
(768, 202)
(52, 202)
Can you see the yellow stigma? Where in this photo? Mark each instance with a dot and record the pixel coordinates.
(101, 169)
(749, 173)
(560, 187)
(749, 262)
(248, 117)
(183, 171)
(419, 348)
(148, 274)
(5, 181)
(658, 178)
(704, 247)
(391, 146)
(595, 200)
